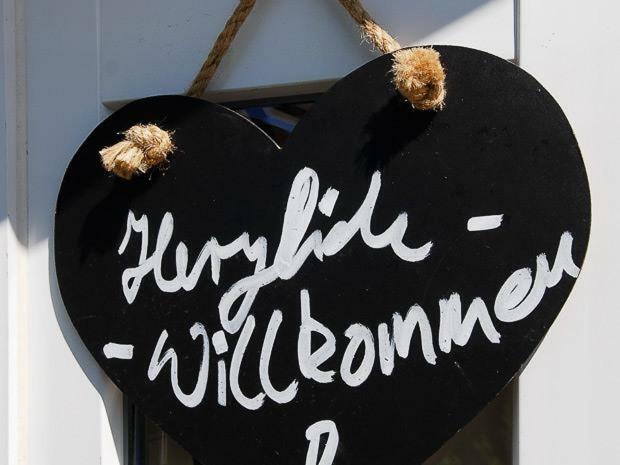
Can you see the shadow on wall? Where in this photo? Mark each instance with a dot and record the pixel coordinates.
(110, 395)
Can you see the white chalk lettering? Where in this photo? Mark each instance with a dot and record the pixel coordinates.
(251, 403)
(358, 335)
(317, 349)
(291, 254)
(514, 302)
(309, 361)
(454, 328)
(158, 362)
(281, 397)
(313, 435)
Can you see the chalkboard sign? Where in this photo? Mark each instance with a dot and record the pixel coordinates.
(354, 297)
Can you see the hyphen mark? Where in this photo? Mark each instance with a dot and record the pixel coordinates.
(484, 223)
(120, 351)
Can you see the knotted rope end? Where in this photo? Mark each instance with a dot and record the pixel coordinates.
(418, 75)
(145, 146)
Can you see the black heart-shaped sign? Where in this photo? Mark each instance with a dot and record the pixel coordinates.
(354, 297)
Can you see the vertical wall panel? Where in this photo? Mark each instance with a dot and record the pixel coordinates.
(4, 313)
(66, 420)
(569, 406)
(13, 232)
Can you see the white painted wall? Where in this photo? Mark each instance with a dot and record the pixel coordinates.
(12, 234)
(569, 394)
(63, 59)
(158, 49)
(4, 320)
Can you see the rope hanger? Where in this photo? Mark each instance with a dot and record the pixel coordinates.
(220, 47)
(417, 73)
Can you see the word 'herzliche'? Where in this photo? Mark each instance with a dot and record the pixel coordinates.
(516, 299)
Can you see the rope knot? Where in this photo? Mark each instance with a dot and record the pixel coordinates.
(418, 75)
(144, 147)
